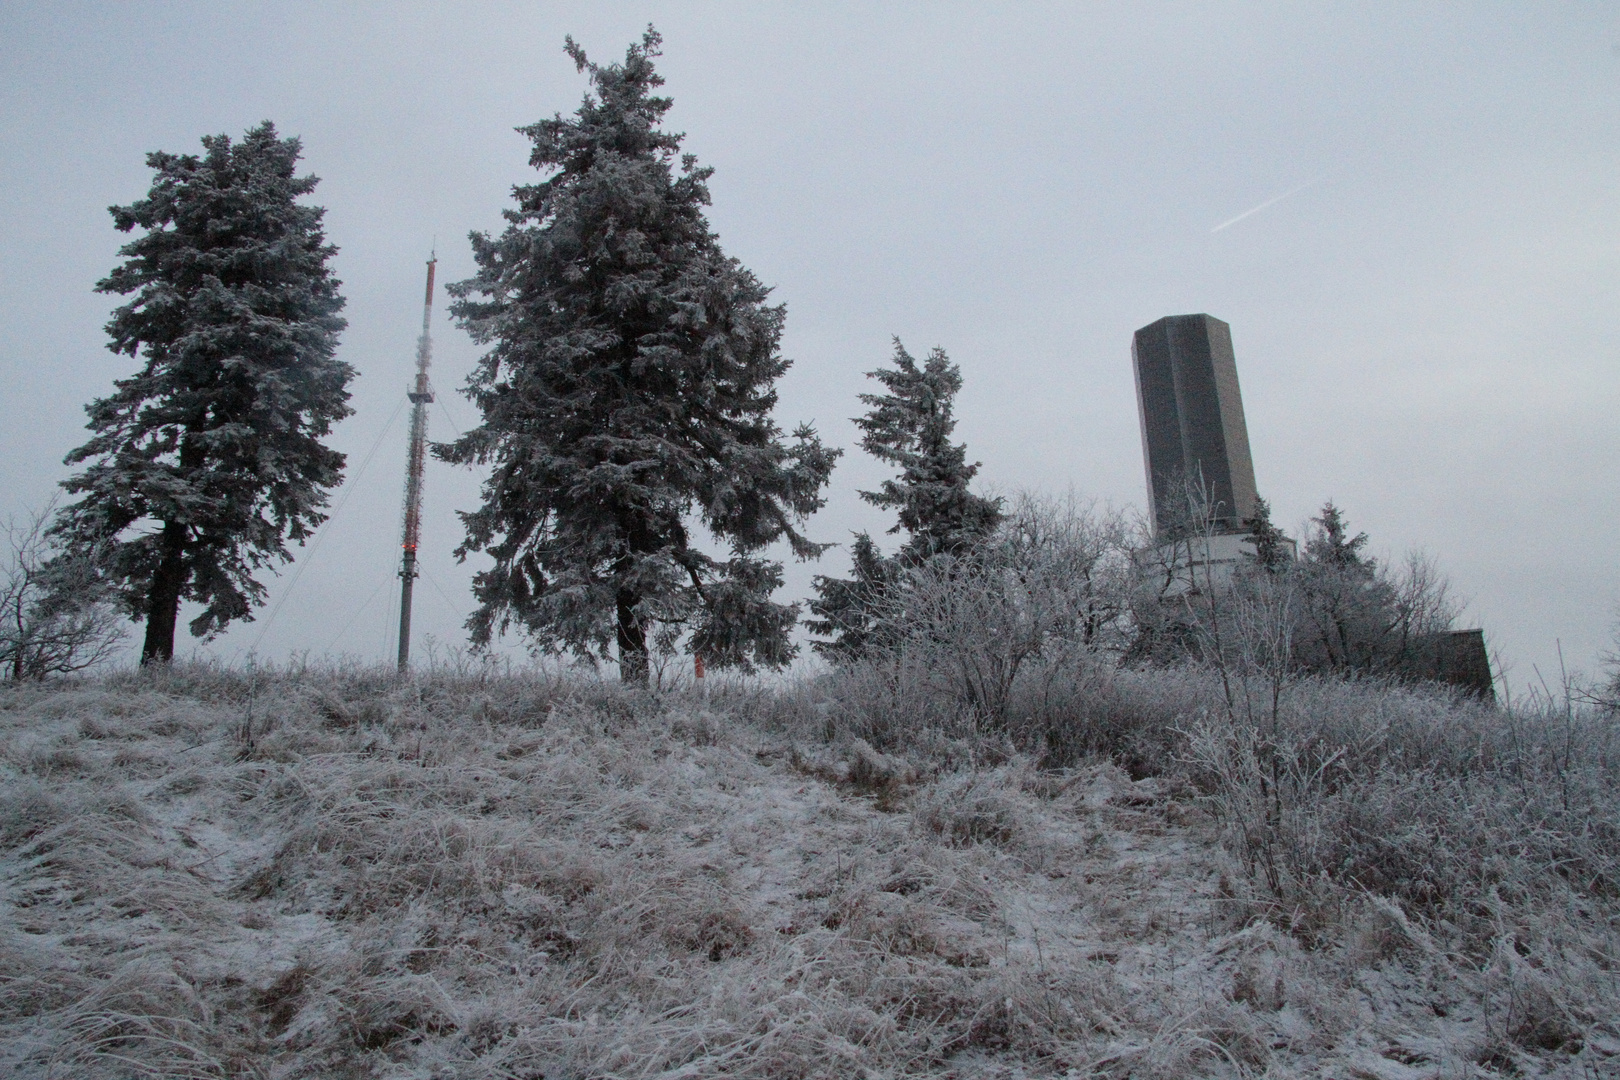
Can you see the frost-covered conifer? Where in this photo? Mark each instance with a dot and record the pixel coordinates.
(850, 611)
(206, 461)
(1270, 551)
(1352, 617)
(909, 427)
(1331, 544)
(627, 397)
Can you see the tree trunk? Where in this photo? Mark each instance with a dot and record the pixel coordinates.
(163, 602)
(18, 617)
(632, 640)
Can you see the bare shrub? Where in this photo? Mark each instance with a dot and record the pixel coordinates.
(882, 699)
(1065, 713)
(55, 614)
(1051, 584)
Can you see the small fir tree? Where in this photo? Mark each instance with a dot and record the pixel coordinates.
(1332, 545)
(1271, 552)
(849, 610)
(628, 389)
(205, 462)
(1350, 617)
(910, 427)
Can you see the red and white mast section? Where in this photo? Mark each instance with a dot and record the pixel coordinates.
(421, 395)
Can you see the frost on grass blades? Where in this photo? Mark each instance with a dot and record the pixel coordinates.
(489, 874)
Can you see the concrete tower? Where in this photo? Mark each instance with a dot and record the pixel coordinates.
(1192, 420)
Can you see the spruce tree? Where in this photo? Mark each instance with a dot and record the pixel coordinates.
(627, 396)
(208, 459)
(1270, 544)
(850, 611)
(909, 427)
(1331, 544)
(1350, 620)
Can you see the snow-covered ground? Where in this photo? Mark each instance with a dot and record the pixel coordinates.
(534, 878)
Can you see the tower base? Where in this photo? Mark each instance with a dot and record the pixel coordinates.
(1198, 563)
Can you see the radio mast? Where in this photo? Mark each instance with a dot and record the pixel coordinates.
(420, 396)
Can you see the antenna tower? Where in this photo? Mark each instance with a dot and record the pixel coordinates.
(421, 395)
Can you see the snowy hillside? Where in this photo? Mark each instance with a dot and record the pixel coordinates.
(532, 878)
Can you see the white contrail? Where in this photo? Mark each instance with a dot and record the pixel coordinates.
(1269, 202)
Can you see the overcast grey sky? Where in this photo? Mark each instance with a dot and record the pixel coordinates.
(1425, 325)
